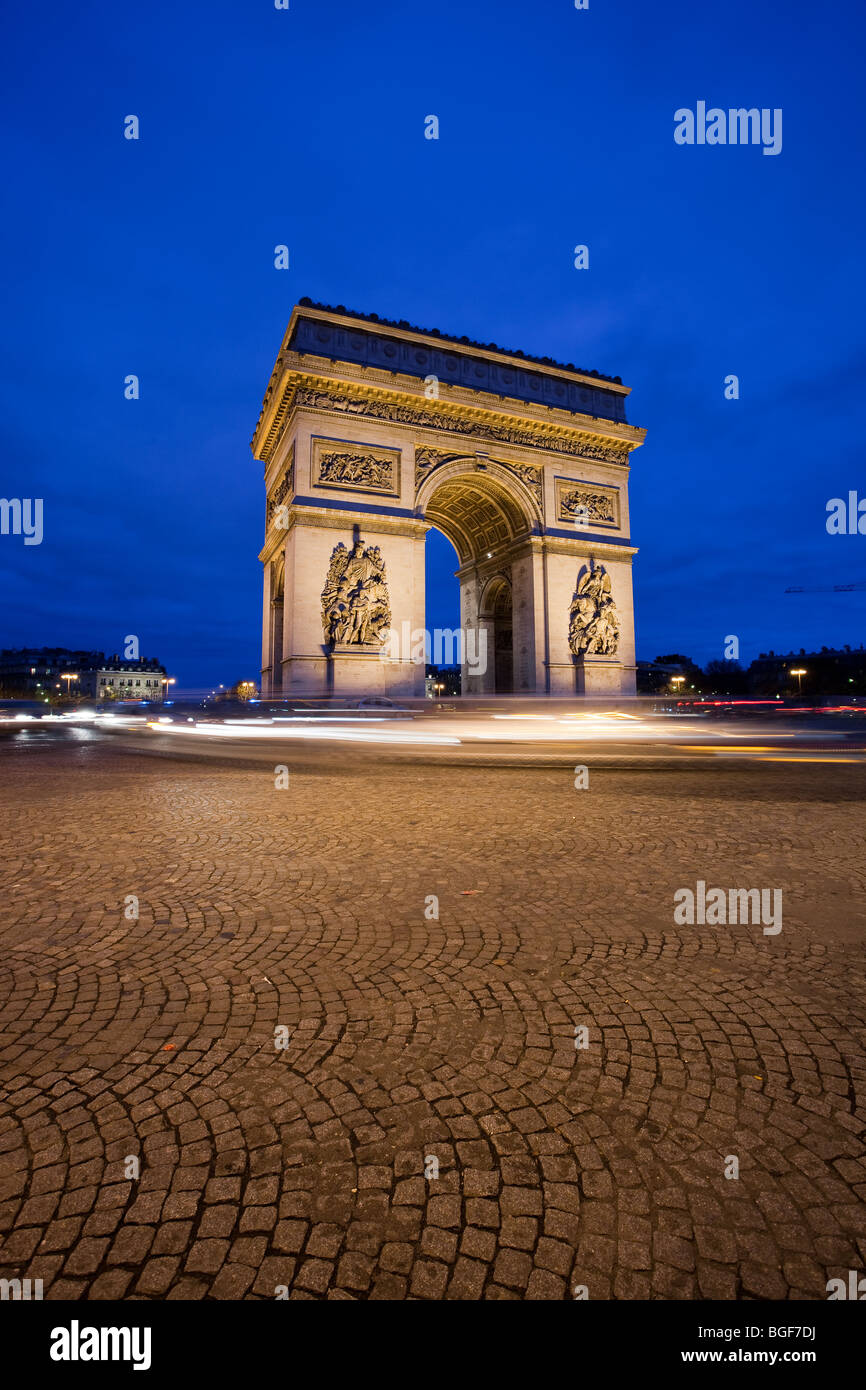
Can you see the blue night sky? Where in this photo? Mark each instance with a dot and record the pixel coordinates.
(306, 127)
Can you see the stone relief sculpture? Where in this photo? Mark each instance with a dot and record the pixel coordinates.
(356, 609)
(278, 497)
(355, 470)
(592, 506)
(531, 477)
(426, 459)
(546, 439)
(282, 489)
(593, 628)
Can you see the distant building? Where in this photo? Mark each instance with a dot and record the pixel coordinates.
(115, 679)
(828, 675)
(829, 672)
(35, 672)
(442, 681)
(653, 678)
(667, 675)
(42, 673)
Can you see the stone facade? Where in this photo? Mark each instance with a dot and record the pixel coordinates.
(132, 680)
(364, 447)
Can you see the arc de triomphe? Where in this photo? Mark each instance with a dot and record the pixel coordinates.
(370, 433)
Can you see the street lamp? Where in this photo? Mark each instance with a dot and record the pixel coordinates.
(677, 682)
(68, 676)
(799, 672)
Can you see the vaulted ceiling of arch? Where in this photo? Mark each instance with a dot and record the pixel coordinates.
(476, 518)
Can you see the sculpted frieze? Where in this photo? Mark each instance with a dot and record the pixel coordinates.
(587, 503)
(361, 467)
(457, 424)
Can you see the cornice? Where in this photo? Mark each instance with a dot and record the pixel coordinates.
(582, 546)
(339, 519)
(464, 412)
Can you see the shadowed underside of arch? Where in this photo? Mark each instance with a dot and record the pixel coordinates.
(496, 601)
(477, 514)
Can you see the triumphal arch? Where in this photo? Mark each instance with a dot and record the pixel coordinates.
(371, 433)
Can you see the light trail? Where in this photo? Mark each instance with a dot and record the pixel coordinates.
(345, 735)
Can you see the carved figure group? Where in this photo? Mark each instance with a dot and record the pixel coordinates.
(595, 506)
(355, 470)
(355, 604)
(593, 628)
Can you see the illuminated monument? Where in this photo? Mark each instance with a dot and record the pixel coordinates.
(370, 433)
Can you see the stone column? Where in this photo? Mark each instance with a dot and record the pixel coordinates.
(523, 624)
(277, 605)
(267, 630)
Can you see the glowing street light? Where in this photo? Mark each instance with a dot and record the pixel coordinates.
(799, 672)
(68, 676)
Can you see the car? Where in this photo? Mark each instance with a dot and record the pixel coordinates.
(379, 707)
(23, 709)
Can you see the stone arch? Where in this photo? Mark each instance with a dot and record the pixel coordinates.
(489, 516)
(479, 505)
(495, 598)
(496, 617)
(498, 460)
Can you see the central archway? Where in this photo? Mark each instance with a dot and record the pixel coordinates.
(441, 605)
(489, 516)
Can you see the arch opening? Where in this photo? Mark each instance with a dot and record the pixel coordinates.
(496, 612)
(482, 512)
(441, 610)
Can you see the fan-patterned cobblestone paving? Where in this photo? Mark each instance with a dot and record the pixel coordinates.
(411, 1038)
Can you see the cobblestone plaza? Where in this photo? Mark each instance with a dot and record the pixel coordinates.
(307, 1168)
